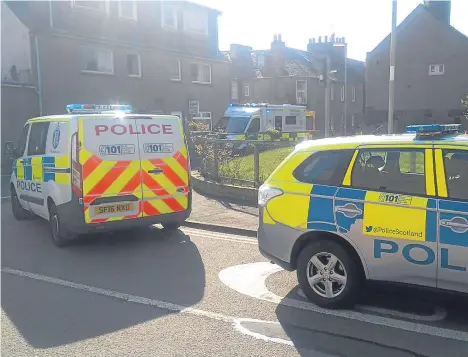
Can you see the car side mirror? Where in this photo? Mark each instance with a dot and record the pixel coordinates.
(8, 148)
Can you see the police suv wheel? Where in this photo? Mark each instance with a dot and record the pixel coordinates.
(19, 212)
(328, 274)
(56, 228)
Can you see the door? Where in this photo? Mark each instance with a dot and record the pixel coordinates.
(18, 168)
(253, 129)
(387, 209)
(452, 179)
(33, 186)
(110, 164)
(164, 165)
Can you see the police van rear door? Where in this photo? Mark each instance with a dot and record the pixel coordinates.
(164, 165)
(110, 160)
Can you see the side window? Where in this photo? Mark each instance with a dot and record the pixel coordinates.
(254, 126)
(22, 141)
(291, 120)
(456, 173)
(327, 167)
(392, 170)
(38, 138)
(279, 123)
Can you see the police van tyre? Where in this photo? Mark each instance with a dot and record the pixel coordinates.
(56, 228)
(328, 274)
(171, 226)
(19, 212)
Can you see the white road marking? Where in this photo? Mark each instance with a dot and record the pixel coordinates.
(217, 236)
(249, 279)
(236, 322)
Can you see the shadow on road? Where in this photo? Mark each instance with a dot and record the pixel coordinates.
(150, 263)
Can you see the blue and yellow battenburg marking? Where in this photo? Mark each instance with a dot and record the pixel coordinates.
(43, 169)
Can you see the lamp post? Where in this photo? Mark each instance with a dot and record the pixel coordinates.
(345, 108)
(391, 82)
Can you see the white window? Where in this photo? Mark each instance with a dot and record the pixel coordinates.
(436, 69)
(353, 94)
(177, 114)
(133, 65)
(97, 60)
(204, 117)
(246, 90)
(301, 92)
(332, 92)
(342, 93)
(169, 15)
(196, 21)
(102, 5)
(234, 90)
(128, 9)
(200, 72)
(175, 70)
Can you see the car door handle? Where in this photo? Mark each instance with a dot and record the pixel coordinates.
(156, 171)
(456, 224)
(349, 210)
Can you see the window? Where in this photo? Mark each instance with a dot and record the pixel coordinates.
(353, 94)
(22, 141)
(436, 69)
(301, 92)
(38, 138)
(279, 123)
(133, 65)
(391, 170)
(342, 94)
(102, 5)
(196, 21)
(98, 60)
(201, 73)
(290, 120)
(128, 9)
(456, 173)
(327, 167)
(246, 90)
(205, 118)
(169, 15)
(175, 70)
(254, 126)
(234, 90)
(332, 92)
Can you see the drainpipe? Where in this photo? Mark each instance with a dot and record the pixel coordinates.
(38, 69)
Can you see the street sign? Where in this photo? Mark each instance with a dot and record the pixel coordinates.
(310, 113)
(194, 107)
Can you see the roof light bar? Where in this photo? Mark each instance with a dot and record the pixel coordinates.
(434, 129)
(98, 108)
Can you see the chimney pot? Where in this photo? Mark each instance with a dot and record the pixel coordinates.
(319, 39)
(344, 39)
(326, 39)
(279, 37)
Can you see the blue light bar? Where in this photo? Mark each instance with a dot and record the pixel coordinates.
(97, 108)
(433, 128)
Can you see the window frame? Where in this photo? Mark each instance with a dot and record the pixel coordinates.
(452, 150)
(134, 10)
(353, 94)
(139, 64)
(199, 64)
(246, 90)
(196, 12)
(422, 150)
(303, 91)
(343, 166)
(235, 89)
(98, 71)
(436, 71)
(76, 4)
(174, 16)
(45, 127)
(286, 120)
(201, 117)
(342, 93)
(179, 69)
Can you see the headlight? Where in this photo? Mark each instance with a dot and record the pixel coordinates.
(266, 193)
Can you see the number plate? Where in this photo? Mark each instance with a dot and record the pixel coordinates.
(115, 208)
(158, 148)
(118, 149)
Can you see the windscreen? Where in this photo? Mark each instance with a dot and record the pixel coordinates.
(234, 124)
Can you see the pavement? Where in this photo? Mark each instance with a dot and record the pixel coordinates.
(196, 292)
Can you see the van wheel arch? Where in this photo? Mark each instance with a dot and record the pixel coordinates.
(308, 237)
(50, 203)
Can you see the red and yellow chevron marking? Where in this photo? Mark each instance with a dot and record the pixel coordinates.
(157, 194)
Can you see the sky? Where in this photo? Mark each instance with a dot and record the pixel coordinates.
(364, 23)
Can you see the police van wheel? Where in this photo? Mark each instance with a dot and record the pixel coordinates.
(171, 226)
(328, 274)
(56, 228)
(19, 212)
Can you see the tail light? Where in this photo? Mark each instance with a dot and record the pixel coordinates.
(266, 193)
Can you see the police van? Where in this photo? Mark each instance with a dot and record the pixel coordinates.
(391, 208)
(251, 121)
(101, 167)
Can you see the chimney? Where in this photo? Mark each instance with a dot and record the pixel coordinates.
(440, 9)
(277, 43)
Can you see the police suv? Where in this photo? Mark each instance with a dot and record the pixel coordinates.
(101, 168)
(391, 207)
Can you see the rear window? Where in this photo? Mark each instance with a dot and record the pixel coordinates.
(325, 167)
